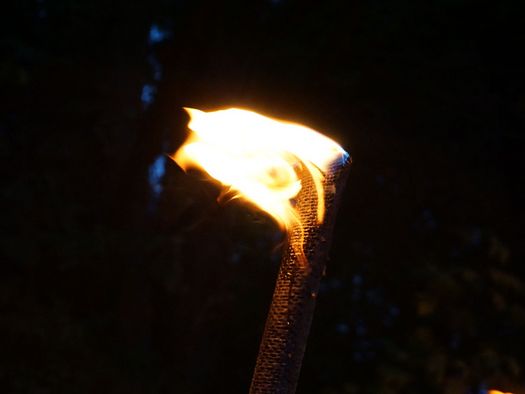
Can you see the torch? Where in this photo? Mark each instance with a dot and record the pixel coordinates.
(296, 175)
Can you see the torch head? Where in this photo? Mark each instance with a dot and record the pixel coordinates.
(266, 161)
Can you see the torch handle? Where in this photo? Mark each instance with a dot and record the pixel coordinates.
(289, 319)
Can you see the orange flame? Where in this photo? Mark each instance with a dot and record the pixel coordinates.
(258, 157)
(497, 392)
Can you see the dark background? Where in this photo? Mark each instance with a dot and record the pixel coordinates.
(121, 274)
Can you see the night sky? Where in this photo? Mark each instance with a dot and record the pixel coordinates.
(120, 273)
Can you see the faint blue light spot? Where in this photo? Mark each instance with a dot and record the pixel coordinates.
(156, 172)
(235, 257)
(357, 280)
(147, 95)
(345, 157)
(157, 34)
(342, 328)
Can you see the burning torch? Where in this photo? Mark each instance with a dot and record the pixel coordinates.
(296, 175)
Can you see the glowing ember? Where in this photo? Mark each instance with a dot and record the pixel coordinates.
(258, 158)
(497, 392)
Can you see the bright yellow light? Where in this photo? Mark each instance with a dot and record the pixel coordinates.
(259, 157)
(497, 392)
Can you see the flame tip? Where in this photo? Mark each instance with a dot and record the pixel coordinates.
(192, 111)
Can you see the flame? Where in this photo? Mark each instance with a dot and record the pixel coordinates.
(259, 158)
(497, 392)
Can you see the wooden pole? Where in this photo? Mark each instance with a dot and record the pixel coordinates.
(289, 319)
